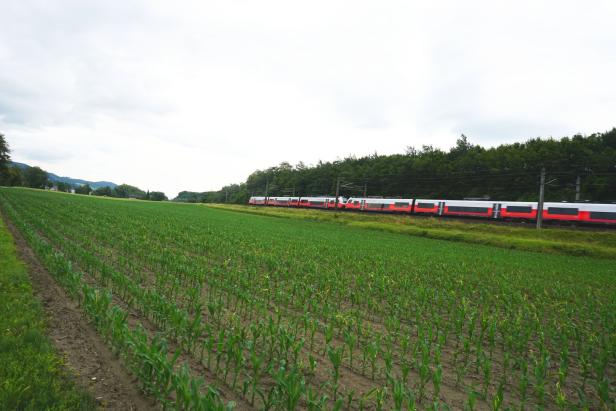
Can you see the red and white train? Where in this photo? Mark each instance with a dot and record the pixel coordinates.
(501, 210)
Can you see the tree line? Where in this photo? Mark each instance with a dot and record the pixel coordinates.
(582, 164)
(577, 167)
(128, 191)
(36, 177)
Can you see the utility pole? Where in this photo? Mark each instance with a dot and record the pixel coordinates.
(365, 189)
(578, 187)
(541, 194)
(266, 189)
(337, 192)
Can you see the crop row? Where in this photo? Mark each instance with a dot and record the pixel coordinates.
(291, 314)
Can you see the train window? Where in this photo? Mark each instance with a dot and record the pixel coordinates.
(317, 203)
(519, 209)
(374, 205)
(401, 204)
(356, 203)
(602, 215)
(459, 209)
(562, 211)
(425, 205)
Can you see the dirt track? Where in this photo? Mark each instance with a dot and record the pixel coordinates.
(86, 355)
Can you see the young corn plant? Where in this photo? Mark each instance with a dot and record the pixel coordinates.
(471, 400)
(335, 355)
(350, 340)
(541, 367)
(380, 396)
(314, 400)
(291, 385)
(497, 401)
(486, 367)
(437, 378)
(561, 397)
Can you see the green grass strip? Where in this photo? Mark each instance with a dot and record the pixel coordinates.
(601, 244)
(32, 375)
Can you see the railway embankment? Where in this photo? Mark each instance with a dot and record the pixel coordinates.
(577, 241)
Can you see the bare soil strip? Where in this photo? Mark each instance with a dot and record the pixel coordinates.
(86, 355)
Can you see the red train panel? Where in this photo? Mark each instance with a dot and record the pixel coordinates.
(426, 206)
(469, 208)
(584, 212)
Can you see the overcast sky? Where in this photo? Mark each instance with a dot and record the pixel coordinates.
(182, 95)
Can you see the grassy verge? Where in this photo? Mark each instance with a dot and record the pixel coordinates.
(32, 376)
(600, 244)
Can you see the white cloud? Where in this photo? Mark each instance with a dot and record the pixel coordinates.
(194, 95)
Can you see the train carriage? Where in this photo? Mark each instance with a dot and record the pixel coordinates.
(598, 213)
(561, 211)
(423, 206)
(387, 205)
(321, 202)
(469, 208)
(584, 212)
(354, 203)
(518, 210)
(256, 201)
(506, 210)
(283, 201)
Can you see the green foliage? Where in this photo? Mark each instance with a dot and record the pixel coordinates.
(83, 189)
(32, 375)
(103, 191)
(189, 197)
(555, 241)
(277, 308)
(147, 357)
(5, 154)
(64, 187)
(234, 193)
(35, 177)
(506, 172)
(156, 196)
(128, 191)
(11, 176)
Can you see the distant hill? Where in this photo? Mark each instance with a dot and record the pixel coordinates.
(73, 181)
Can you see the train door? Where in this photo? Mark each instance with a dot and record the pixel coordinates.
(496, 210)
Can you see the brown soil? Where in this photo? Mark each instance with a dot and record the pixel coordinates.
(351, 378)
(86, 355)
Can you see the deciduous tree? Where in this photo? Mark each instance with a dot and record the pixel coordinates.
(35, 177)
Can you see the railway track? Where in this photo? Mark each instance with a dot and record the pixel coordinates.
(531, 224)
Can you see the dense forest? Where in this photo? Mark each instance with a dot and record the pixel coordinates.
(506, 172)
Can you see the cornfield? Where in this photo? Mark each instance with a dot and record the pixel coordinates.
(212, 309)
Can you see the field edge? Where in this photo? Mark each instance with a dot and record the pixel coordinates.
(449, 231)
(85, 364)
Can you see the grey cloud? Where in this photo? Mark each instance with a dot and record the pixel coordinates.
(217, 89)
(36, 156)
